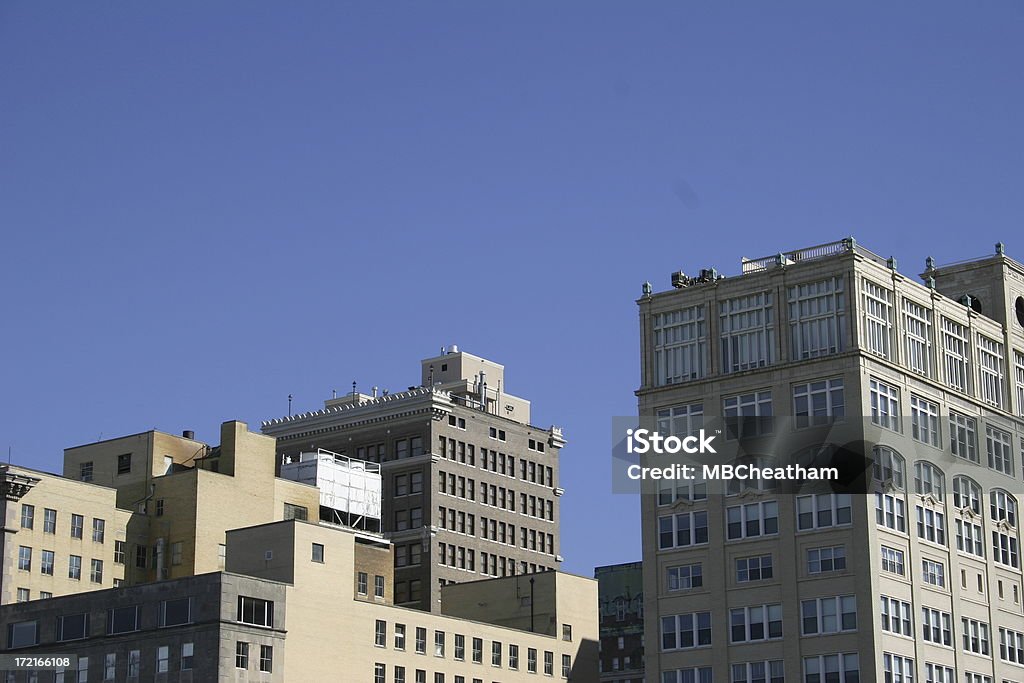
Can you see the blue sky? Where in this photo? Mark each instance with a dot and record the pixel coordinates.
(208, 206)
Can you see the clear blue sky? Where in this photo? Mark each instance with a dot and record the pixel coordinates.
(208, 206)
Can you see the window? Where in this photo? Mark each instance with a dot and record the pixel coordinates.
(680, 345)
(255, 612)
(495, 653)
(1003, 510)
(49, 521)
(759, 622)
(689, 675)
(460, 647)
(378, 586)
(826, 559)
(929, 480)
(828, 615)
(890, 512)
(885, 405)
(567, 632)
(24, 595)
(24, 558)
(478, 650)
(85, 471)
(753, 568)
(878, 318)
(22, 634)
(936, 626)
(46, 562)
(682, 530)
(816, 318)
(421, 640)
(399, 674)
(750, 672)
(1011, 646)
(566, 665)
(163, 656)
(684, 577)
(966, 494)
(975, 636)
(241, 655)
(897, 669)
(77, 522)
(896, 616)
(292, 511)
(955, 349)
(109, 666)
(122, 620)
(963, 439)
(968, 538)
(931, 525)
(118, 552)
(892, 560)
(96, 571)
(361, 583)
(160, 507)
(752, 520)
(748, 333)
(933, 573)
(531, 660)
(937, 673)
(176, 612)
(380, 633)
(823, 510)
(748, 415)
(28, 515)
(98, 530)
(75, 567)
(924, 420)
(917, 331)
(990, 371)
(819, 403)
(683, 631)
(549, 663)
(1000, 451)
(72, 627)
(134, 663)
(187, 652)
(439, 643)
(124, 463)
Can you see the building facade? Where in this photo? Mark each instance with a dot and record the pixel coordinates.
(621, 611)
(470, 487)
(914, 573)
(312, 602)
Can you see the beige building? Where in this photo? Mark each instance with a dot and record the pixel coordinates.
(300, 602)
(60, 536)
(470, 486)
(916, 574)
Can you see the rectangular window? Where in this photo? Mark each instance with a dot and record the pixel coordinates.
(478, 650)
(933, 573)
(936, 626)
(439, 643)
(752, 520)
(1000, 450)
(826, 559)
(897, 669)
(380, 633)
(817, 318)
(49, 521)
(1011, 646)
(460, 647)
(378, 586)
(75, 567)
(748, 415)
(134, 663)
(255, 612)
(684, 631)
(513, 656)
(109, 666)
(241, 655)
(756, 568)
(885, 405)
(421, 640)
(176, 612)
(85, 471)
(917, 331)
(748, 333)
(938, 673)
(22, 634)
(878, 318)
(955, 354)
(892, 560)
(72, 627)
(495, 653)
(77, 523)
(124, 463)
(122, 620)
(924, 420)
(187, 652)
(975, 636)
(96, 571)
(684, 577)
(772, 671)
(549, 663)
(361, 583)
(896, 616)
(28, 516)
(823, 510)
(98, 530)
(760, 622)
(24, 595)
(931, 525)
(119, 552)
(680, 346)
(25, 558)
(531, 660)
(819, 403)
(990, 371)
(267, 658)
(891, 512)
(963, 436)
(566, 665)
(828, 615)
(682, 530)
(968, 538)
(46, 562)
(1018, 362)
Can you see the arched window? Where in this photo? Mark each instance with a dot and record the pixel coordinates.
(1003, 508)
(889, 466)
(736, 485)
(928, 480)
(966, 494)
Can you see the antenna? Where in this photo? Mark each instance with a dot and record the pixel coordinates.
(289, 405)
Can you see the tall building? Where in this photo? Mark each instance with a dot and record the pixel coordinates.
(470, 486)
(916, 575)
(621, 611)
